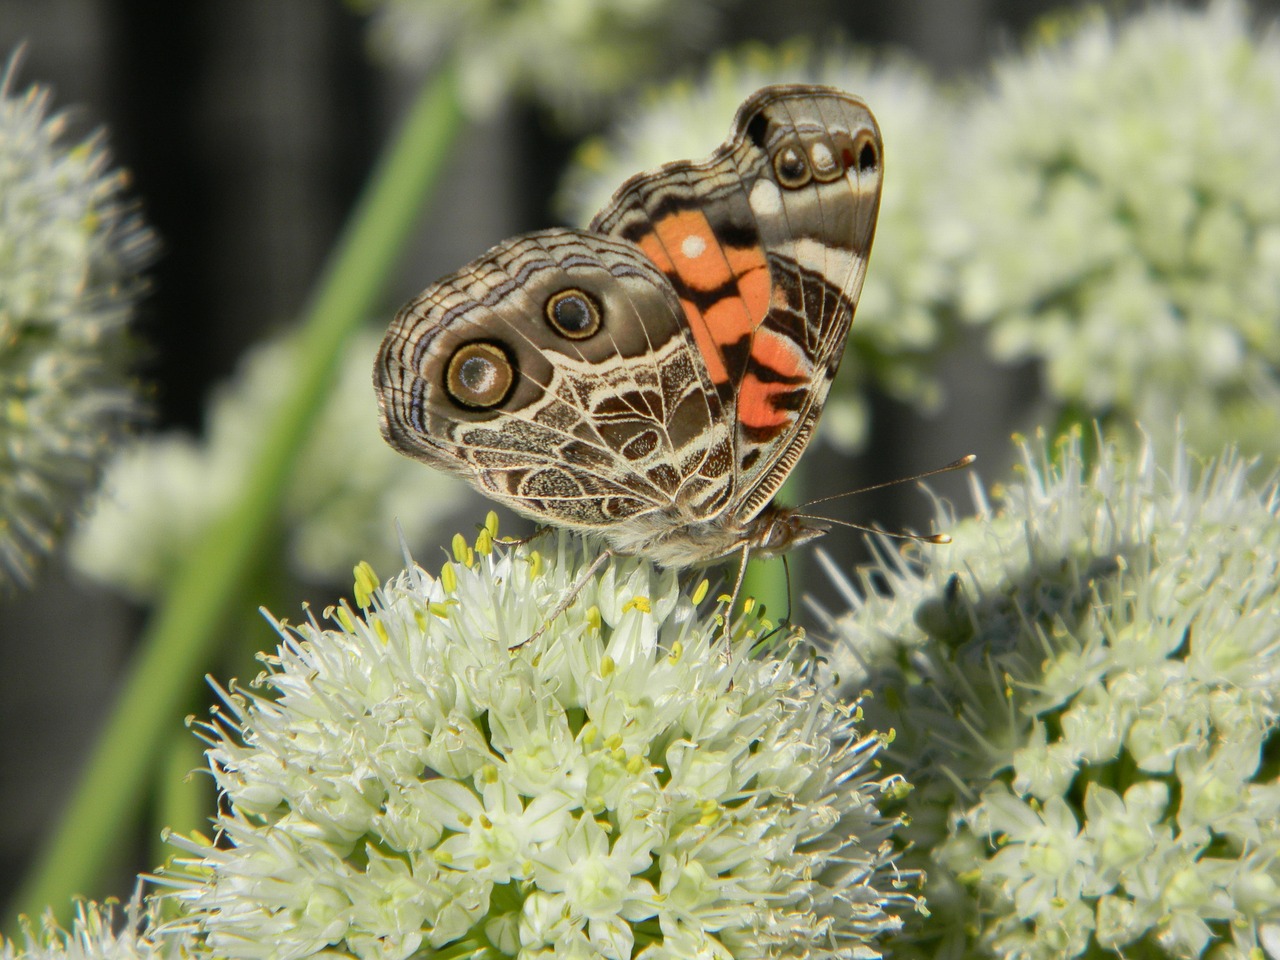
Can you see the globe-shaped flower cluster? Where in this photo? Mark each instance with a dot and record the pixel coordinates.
(435, 774)
(1084, 686)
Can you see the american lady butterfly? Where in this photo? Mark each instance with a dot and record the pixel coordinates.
(653, 379)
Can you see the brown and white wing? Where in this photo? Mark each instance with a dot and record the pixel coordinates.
(556, 374)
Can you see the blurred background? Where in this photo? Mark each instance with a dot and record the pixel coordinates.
(248, 129)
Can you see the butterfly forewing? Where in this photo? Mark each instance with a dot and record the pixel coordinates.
(766, 245)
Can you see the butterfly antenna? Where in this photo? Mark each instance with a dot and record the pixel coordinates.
(953, 465)
(931, 538)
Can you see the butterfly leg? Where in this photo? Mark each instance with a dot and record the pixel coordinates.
(521, 541)
(570, 595)
(733, 598)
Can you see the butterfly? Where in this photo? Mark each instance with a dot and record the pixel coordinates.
(653, 379)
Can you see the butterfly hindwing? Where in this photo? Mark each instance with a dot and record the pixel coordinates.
(554, 373)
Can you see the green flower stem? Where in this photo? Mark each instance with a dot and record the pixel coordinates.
(184, 795)
(766, 580)
(179, 638)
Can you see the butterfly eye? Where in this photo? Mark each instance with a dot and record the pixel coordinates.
(480, 375)
(574, 314)
(791, 167)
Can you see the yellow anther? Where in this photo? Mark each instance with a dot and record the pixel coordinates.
(710, 813)
(638, 603)
(366, 584)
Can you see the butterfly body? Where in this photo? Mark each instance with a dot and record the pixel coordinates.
(653, 379)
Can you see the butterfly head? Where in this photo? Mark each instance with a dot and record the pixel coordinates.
(778, 529)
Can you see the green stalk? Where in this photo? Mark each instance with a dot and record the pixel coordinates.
(177, 644)
(766, 580)
(184, 792)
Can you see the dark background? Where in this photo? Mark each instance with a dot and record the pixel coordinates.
(248, 127)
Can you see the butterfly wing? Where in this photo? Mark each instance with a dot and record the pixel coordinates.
(766, 244)
(556, 374)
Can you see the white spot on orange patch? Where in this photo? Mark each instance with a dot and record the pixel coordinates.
(693, 246)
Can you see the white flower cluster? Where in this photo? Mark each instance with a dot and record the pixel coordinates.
(348, 493)
(71, 248)
(97, 934)
(572, 54)
(1084, 685)
(617, 787)
(1121, 212)
(899, 327)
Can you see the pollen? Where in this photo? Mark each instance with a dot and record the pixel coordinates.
(643, 604)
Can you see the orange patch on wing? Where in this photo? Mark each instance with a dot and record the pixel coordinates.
(755, 396)
(684, 246)
(692, 247)
(655, 251)
(755, 289)
(755, 406)
(729, 320)
(780, 354)
(743, 260)
(706, 343)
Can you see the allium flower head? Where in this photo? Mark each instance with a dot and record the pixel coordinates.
(71, 246)
(348, 492)
(898, 326)
(425, 780)
(1123, 219)
(570, 53)
(1084, 686)
(98, 933)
